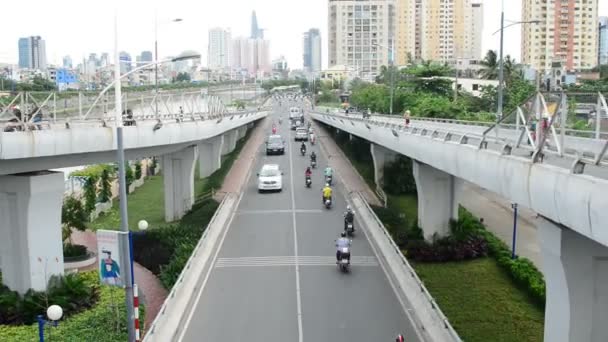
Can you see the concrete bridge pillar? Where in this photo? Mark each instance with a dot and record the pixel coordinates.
(242, 132)
(30, 229)
(210, 156)
(381, 156)
(230, 139)
(178, 179)
(437, 202)
(576, 276)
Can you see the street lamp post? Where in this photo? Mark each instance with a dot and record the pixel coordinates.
(54, 314)
(501, 61)
(156, 58)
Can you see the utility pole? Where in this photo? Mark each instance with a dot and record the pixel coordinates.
(392, 66)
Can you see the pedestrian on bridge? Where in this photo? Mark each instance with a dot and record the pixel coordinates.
(406, 116)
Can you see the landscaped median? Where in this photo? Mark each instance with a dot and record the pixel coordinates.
(485, 294)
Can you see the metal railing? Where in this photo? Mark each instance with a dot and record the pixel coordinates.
(505, 145)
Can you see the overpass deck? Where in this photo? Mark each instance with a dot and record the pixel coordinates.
(274, 276)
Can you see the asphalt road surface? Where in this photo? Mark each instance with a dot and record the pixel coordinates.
(275, 278)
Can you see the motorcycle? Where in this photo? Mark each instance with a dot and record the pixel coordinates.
(350, 228)
(308, 182)
(303, 151)
(328, 179)
(312, 140)
(344, 261)
(313, 164)
(328, 203)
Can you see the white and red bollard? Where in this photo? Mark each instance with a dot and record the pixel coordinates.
(136, 306)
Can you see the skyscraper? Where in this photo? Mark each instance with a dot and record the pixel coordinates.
(220, 48)
(144, 58)
(603, 39)
(567, 33)
(312, 50)
(255, 30)
(32, 53)
(438, 30)
(360, 34)
(67, 62)
(125, 62)
(252, 55)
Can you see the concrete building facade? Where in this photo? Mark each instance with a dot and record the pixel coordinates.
(361, 34)
(32, 53)
(220, 48)
(567, 33)
(438, 30)
(603, 41)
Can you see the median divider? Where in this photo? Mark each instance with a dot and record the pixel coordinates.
(179, 303)
(432, 324)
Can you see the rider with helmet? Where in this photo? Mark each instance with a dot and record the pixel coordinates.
(326, 192)
(342, 242)
(349, 217)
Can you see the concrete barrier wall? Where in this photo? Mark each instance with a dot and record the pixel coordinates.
(179, 302)
(577, 201)
(431, 323)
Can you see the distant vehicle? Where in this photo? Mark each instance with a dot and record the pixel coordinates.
(270, 178)
(295, 124)
(301, 134)
(275, 145)
(294, 113)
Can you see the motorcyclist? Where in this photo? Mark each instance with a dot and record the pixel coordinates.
(342, 242)
(308, 173)
(303, 147)
(313, 157)
(274, 129)
(349, 217)
(326, 192)
(328, 172)
(400, 338)
(312, 138)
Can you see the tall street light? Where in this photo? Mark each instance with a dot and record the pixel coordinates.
(122, 183)
(176, 20)
(391, 63)
(501, 61)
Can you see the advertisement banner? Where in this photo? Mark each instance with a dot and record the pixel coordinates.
(108, 253)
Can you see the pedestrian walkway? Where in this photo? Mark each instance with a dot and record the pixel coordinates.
(151, 290)
(495, 210)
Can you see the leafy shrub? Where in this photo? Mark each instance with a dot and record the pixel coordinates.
(138, 170)
(105, 193)
(71, 251)
(129, 176)
(72, 292)
(73, 216)
(90, 194)
(399, 177)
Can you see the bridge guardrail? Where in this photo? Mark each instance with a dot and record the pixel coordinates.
(427, 312)
(178, 304)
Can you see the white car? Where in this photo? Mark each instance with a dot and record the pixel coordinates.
(270, 177)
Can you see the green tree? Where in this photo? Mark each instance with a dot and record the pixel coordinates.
(129, 176)
(73, 216)
(90, 194)
(138, 170)
(490, 66)
(105, 194)
(182, 77)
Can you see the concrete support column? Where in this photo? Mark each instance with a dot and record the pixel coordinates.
(242, 132)
(437, 199)
(230, 139)
(178, 179)
(210, 156)
(381, 156)
(576, 275)
(30, 229)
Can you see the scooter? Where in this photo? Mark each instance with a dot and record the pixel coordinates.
(344, 261)
(303, 151)
(308, 182)
(350, 228)
(313, 164)
(328, 179)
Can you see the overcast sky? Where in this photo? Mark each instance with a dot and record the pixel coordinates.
(71, 28)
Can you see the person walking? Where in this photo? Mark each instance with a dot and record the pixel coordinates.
(406, 116)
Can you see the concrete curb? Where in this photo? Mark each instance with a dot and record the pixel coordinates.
(179, 302)
(431, 323)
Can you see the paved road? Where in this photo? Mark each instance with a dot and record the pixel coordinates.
(275, 277)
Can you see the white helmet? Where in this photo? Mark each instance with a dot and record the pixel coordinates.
(348, 208)
(326, 184)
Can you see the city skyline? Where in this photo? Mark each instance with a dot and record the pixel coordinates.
(137, 35)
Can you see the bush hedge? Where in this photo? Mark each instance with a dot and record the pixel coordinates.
(72, 292)
(104, 321)
(72, 251)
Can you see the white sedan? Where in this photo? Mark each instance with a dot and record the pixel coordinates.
(270, 177)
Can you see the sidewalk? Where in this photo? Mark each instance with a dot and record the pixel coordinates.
(495, 210)
(151, 291)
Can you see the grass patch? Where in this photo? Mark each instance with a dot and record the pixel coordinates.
(481, 302)
(104, 322)
(404, 204)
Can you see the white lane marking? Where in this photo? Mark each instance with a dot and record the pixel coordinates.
(295, 246)
(291, 261)
(286, 211)
(217, 252)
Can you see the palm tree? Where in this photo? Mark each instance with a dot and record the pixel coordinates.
(490, 64)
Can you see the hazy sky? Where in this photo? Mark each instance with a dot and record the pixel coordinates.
(72, 28)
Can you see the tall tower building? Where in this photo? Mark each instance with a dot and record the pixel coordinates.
(567, 33)
(32, 53)
(312, 50)
(360, 34)
(67, 62)
(438, 30)
(220, 48)
(255, 30)
(603, 41)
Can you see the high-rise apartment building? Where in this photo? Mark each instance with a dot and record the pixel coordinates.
(32, 53)
(67, 62)
(252, 55)
(438, 30)
(220, 48)
(567, 33)
(603, 41)
(360, 34)
(312, 50)
(144, 58)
